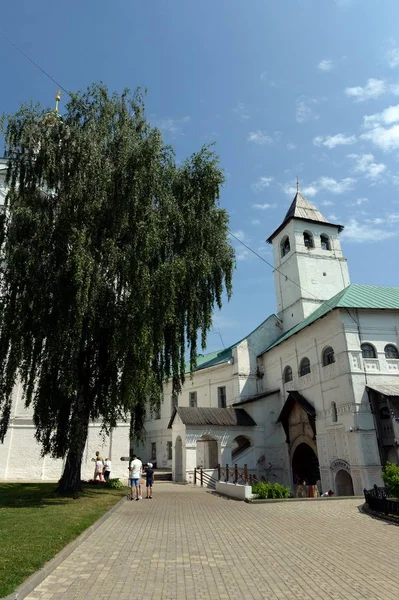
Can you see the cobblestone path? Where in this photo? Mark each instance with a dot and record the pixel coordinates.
(190, 543)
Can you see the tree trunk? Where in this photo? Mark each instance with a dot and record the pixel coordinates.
(70, 482)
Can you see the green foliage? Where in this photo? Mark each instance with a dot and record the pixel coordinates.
(116, 257)
(265, 489)
(114, 484)
(390, 475)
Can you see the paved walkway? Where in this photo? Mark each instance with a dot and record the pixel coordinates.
(189, 543)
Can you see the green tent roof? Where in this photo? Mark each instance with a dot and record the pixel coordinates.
(212, 359)
(353, 296)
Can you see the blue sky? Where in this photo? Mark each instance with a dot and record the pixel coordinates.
(283, 88)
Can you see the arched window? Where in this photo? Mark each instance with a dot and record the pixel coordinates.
(384, 413)
(285, 246)
(328, 356)
(334, 413)
(308, 239)
(304, 367)
(325, 242)
(391, 351)
(287, 374)
(368, 351)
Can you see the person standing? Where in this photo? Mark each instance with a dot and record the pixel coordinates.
(149, 476)
(98, 470)
(107, 469)
(135, 469)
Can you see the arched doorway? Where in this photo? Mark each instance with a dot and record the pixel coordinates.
(240, 443)
(343, 483)
(178, 455)
(305, 465)
(207, 452)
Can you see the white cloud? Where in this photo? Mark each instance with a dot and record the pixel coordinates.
(373, 89)
(173, 126)
(331, 141)
(304, 111)
(364, 232)
(242, 254)
(392, 56)
(325, 65)
(259, 137)
(393, 218)
(360, 201)
(263, 206)
(242, 111)
(376, 221)
(323, 183)
(387, 117)
(291, 146)
(333, 218)
(327, 203)
(239, 234)
(386, 139)
(365, 164)
(256, 222)
(261, 184)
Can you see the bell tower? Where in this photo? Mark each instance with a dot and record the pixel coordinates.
(308, 261)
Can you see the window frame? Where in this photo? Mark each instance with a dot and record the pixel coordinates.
(153, 451)
(326, 362)
(222, 397)
(288, 369)
(301, 373)
(285, 246)
(310, 244)
(324, 236)
(169, 450)
(193, 396)
(363, 346)
(396, 351)
(334, 412)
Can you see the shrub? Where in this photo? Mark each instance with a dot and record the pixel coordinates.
(390, 475)
(265, 489)
(114, 484)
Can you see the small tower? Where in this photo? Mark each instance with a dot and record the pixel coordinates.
(308, 260)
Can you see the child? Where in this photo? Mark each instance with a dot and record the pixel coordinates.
(98, 471)
(149, 473)
(107, 469)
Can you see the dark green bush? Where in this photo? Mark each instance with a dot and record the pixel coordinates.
(265, 489)
(390, 475)
(114, 484)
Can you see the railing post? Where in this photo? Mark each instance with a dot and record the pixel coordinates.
(201, 477)
(245, 474)
(250, 479)
(227, 474)
(235, 474)
(195, 476)
(219, 472)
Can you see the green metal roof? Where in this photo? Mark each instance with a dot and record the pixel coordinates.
(212, 359)
(353, 296)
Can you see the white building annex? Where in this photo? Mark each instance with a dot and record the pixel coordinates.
(312, 393)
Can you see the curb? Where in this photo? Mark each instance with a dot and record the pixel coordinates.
(34, 580)
(273, 500)
(365, 510)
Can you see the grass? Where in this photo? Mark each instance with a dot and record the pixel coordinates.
(35, 524)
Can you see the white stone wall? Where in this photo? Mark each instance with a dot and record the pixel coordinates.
(307, 276)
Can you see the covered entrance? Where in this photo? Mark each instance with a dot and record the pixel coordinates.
(178, 459)
(207, 452)
(343, 483)
(305, 465)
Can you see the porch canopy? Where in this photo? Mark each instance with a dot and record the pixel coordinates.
(218, 417)
(297, 398)
(386, 389)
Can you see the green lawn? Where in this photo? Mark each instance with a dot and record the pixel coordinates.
(35, 524)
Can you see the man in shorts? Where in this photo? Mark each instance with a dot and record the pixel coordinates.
(135, 469)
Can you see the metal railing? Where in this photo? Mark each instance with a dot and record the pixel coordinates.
(380, 500)
(202, 478)
(234, 474)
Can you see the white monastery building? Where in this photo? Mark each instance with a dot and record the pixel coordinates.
(311, 394)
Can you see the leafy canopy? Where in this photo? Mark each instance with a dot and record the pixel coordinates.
(115, 257)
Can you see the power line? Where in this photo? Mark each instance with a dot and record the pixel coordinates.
(10, 41)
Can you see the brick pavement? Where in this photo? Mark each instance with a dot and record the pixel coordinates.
(189, 543)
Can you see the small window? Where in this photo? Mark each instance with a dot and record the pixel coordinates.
(285, 246)
(157, 412)
(222, 397)
(328, 356)
(334, 412)
(308, 240)
(287, 376)
(169, 450)
(325, 242)
(368, 351)
(304, 367)
(384, 413)
(153, 451)
(193, 399)
(173, 403)
(391, 351)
